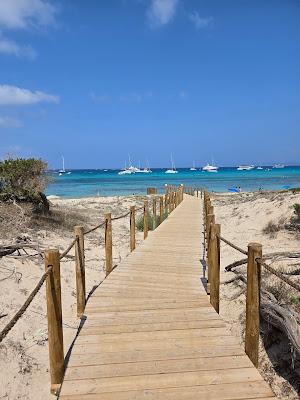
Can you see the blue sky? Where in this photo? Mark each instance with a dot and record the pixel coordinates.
(96, 80)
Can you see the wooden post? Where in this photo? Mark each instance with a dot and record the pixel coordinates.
(132, 228)
(145, 219)
(214, 266)
(161, 209)
(210, 221)
(54, 316)
(108, 244)
(80, 269)
(201, 192)
(154, 212)
(253, 302)
(197, 191)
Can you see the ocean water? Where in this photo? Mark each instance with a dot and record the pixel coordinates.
(85, 183)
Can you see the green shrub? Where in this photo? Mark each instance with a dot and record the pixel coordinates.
(140, 221)
(23, 179)
(21, 175)
(297, 210)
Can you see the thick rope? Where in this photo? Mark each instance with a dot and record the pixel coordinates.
(68, 249)
(113, 219)
(233, 245)
(278, 274)
(24, 307)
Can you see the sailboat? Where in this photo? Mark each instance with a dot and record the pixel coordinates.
(193, 167)
(63, 170)
(173, 170)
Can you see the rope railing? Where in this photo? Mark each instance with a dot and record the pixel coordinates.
(278, 274)
(68, 249)
(52, 258)
(254, 293)
(24, 307)
(234, 246)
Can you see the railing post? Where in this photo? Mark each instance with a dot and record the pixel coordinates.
(253, 302)
(132, 228)
(145, 219)
(161, 209)
(108, 244)
(80, 269)
(201, 192)
(214, 266)
(54, 316)
(210, 222)
(197, 191)
(154, 212)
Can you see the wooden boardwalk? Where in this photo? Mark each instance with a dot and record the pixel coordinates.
(151, 332)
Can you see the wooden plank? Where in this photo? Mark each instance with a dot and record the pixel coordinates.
(154, 335)
(157, 367)
(174, 325)
(154, 355)
(168, 380)
(232, 391)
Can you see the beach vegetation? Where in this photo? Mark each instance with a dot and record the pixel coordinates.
(297, 210)
(272, 228)
(140, 221)
(23, 179)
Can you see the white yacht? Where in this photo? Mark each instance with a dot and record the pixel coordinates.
(277, 166)
(245, 167)
(129, 170)
(210, 168)
(173, 170)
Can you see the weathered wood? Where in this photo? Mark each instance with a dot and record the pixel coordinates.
(154, 213)
(132, 228)
(145, 219)
(253, 302)
(214, 267)
(161, 209)
(54, 316)
(108, 244)
(80, 270)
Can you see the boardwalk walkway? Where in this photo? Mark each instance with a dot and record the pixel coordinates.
(151, 333)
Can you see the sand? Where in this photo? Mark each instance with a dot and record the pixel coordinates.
(243, 218)
(24, 352)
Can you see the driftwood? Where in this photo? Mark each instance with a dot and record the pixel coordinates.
(282, 318)
(269, 256)
(10, 249)
(286, 320)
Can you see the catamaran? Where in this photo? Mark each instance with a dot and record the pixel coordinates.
(245, 167)
(173, 170)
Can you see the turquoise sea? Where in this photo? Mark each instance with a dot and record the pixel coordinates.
(85, 183)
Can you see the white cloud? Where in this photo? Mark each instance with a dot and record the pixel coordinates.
(201, 22)
(161, 12)
(13, 95)
(22, 14)
(8, 122)
(10, 47)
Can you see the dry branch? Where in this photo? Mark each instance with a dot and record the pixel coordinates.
(270, 256)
